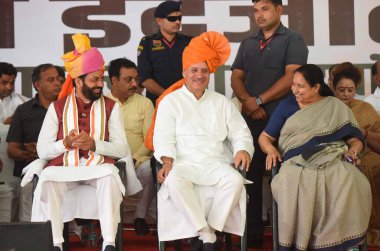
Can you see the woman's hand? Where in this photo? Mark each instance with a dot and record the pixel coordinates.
(352, 157)
(272, 158)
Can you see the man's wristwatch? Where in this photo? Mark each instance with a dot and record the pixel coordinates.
(259, 101)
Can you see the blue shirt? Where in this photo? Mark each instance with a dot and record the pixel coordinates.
(283, 111)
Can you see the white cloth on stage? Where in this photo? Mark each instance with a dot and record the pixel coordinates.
(202, 136)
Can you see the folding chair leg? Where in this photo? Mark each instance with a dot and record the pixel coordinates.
(228, 241)
(243, 240)
(177, 245)
(66, 243)
(274, 216)
(161, 246)
(119, 237)
(363, 246)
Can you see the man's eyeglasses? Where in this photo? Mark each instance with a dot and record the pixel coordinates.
(174, 18)
(131, 79)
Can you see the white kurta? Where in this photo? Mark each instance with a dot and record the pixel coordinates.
(9, 104)
(374, 99)
(202, 136)
(48, 148)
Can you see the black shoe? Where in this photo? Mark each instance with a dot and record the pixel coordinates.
(55, 248)
(195, 244)
(141, 228)
(110, 248)
(208, 246)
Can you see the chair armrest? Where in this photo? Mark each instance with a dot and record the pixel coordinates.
(275, 169)
(121, 165)
(158, 165)
(35, 181)
(243, 172)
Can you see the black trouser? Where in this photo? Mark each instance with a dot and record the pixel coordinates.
(255, 224)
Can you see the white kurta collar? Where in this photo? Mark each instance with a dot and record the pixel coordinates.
(191, 95)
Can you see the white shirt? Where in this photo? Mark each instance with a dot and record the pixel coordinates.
(48, 147)
(9, 104)
(374, 100)
(201, 132)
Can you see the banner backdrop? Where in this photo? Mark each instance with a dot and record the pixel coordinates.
(39, 31)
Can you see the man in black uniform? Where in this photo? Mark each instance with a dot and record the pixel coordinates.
(159, 56)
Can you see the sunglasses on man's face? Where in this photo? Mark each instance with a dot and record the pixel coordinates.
(174, 18)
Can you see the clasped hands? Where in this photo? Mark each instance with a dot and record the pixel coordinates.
(79, 140)
(252, 109)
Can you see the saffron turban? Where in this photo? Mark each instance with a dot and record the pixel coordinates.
(210, 47)
(82, 60)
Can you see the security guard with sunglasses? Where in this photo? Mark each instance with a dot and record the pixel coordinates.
(159, 56)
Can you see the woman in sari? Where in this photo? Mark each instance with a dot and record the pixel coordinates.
(324, 201)
(344, 84)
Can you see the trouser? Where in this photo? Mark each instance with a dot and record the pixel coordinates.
(146, 195)
(109, 198)
(255, 224)
(26, 201)
(227, 194)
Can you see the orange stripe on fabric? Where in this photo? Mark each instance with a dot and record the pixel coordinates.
(92, 123)
(90, 158)
(149, 137)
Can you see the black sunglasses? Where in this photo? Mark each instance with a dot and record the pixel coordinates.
(174, 18)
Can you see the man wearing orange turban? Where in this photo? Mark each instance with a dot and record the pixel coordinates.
(198, 136)
(80, 137)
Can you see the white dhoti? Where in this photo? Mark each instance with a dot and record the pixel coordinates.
(185, 206)
(52, 191)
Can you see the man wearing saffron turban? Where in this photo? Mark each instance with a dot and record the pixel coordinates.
(200, 138)
(81, 136)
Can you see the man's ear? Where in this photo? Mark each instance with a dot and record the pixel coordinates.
(36, 85)
(159, 20)
(279, 9)
(113, 79)
(78, 82)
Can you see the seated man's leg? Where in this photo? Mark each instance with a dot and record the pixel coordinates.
(227, 195)
(109, 199)
(184, 198)
(145, 196)
(52, 194)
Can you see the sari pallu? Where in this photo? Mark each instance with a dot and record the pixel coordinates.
(324, 203)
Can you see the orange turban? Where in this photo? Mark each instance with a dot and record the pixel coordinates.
(82, 60)
(210, 47)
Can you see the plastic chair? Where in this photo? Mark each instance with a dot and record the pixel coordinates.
(119, 236)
